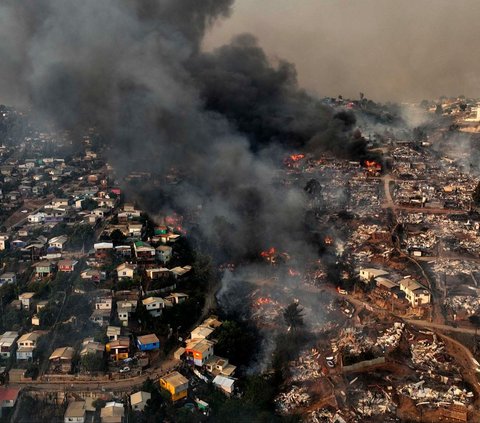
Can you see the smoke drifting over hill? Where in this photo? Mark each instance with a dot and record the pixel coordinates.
(223, 120)
(135, 71)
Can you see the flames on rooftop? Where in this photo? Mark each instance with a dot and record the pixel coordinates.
(272, 255)
(263, 300)
(293, 159)
(176, 222)
(373, 166)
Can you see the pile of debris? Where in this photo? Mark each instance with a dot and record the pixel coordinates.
(463, 303)
(352, 341)
(426, 240)
(307, 366)
(431, 355)
(454, 267)
(391, 337)
(363, 256)
(315, 275)
(414, 218)
(265, 309)
(364, 233)
(296, 397)
(436, 396)
(324, 416)
(374, 403)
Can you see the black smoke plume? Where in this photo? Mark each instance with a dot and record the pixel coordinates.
(134, 70)
(264, 101)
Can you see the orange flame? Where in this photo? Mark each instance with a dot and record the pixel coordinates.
(268, 254)
(328, 240)
(173, 220)
(181, 230)
(263, 301)
(372, 165)
(297, 157)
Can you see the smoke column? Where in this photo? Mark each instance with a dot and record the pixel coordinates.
(135, 71)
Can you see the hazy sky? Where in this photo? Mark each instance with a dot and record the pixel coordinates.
(388, 49)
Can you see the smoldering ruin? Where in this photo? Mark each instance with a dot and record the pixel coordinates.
(136, 72)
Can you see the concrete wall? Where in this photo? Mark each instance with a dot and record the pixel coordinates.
(363, 364)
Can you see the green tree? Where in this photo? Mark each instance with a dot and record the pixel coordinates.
(234, 342)
(58, 192)
(259, 390)
(117, 236)
(93, 362)
(80, 235)
(89, 204)
(293, 316)
(48, 314)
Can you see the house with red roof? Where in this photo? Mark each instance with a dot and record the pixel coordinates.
(8, 398)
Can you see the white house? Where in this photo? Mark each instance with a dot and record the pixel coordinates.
(176, 297)
(112, 412)
(8, 277)
(78, 203)
(179, 271)
(139, 400)
(367, 274)
(26, 299)
(113, 333)
(101, 316)
(385, 283)
(219, 366)
(58, 242)
(201, 332)
(101, 212)
(125, 271)
(60, 202)
(7, 341)
(164, 253)
(124, 309)
(135, 229)
(26, 345)
(3, 242)
(154, 305)
(75, 412)
(415, 293)
(36, 217)
(225, 384)
(103, 303)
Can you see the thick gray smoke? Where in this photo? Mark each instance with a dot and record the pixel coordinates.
(222, 121)
(134, 70)
(263, 101)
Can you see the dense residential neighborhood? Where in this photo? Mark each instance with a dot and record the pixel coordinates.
(93, 292)
(109, 314)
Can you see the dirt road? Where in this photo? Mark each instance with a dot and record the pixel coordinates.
(73, 385)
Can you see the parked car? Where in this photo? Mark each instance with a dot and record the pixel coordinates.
(125, 369)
